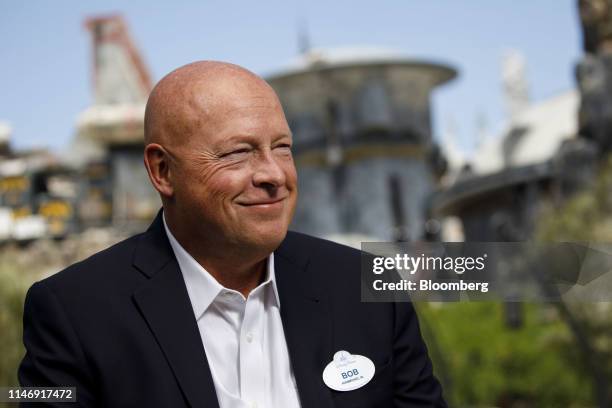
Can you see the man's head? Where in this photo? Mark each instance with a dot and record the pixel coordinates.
(217, 149)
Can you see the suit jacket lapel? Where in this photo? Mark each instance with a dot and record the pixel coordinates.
(165, 305)
(306, 316)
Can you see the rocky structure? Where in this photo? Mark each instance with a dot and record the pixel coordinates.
(538, 158)
(550, 149)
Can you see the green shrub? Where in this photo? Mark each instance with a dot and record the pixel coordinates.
(12, 292)
(490, 364)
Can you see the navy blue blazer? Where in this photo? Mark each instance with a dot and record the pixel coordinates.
(120, 327)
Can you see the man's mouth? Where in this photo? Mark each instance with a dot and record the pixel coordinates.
(266, 202)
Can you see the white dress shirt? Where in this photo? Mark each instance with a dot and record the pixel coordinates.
(243, 338)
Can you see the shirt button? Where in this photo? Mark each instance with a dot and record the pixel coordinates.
(249, 338)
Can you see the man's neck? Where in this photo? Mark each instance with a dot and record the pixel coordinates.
(240, 278)
(235, 268)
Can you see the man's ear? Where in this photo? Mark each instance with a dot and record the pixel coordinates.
(157, 162)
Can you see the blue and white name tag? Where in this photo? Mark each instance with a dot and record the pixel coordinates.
(348, 372)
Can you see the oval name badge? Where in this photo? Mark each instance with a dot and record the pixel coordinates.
(348, 372)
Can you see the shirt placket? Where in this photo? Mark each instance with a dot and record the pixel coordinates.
(252, 378)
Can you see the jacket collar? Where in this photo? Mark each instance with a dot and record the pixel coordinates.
(153, 251)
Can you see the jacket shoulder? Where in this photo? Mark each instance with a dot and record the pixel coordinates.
(328, 261)
(98, 270)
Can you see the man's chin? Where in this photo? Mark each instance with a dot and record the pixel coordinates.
(265, 239)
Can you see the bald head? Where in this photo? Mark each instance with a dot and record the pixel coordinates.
(196, 94)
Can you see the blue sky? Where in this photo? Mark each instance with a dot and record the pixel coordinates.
(45, 50)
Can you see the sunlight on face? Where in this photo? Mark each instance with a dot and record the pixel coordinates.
(236, 176)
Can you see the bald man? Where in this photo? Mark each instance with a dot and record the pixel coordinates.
(217, 304)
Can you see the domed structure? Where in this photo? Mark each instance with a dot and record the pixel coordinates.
(362, 139)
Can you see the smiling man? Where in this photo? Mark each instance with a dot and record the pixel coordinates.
(216, 304)
(223, 167)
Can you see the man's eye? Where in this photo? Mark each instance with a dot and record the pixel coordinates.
(284, 147)
(237, 152)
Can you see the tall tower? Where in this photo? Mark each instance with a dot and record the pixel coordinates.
(111, 130)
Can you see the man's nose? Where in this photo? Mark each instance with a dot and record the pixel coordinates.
(268, 171)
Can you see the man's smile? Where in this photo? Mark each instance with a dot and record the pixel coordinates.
(272, 205)
(263, 202)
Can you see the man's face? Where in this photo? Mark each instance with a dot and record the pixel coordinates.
(234, 179)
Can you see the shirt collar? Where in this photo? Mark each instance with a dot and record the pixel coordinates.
(202, 287)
